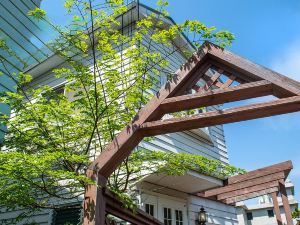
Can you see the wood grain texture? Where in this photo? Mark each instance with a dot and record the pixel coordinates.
(248, 190)
(269, 170)
(285, 202)
(114, 207)
(245, 184)
(237, 114)
(240, 198)
(94, 204)
(217, 96)
(251, 69)
(276, 208)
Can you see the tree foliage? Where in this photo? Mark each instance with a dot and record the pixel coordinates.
(296, 213)
(109, 75)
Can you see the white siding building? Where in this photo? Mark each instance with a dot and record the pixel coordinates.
(263, 212)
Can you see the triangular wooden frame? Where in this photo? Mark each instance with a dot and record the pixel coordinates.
(254, 81)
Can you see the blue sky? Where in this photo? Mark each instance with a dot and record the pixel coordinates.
(267, 32)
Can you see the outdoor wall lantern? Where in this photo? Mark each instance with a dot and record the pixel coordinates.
(202, 217)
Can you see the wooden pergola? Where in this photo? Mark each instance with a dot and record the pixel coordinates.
(268, 180)
(212, 76)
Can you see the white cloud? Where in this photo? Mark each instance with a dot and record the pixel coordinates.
(287, 61)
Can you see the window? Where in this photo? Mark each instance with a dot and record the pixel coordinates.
(178, 217)
(167, 216)
(51, 95)
(271, 213)
(66, 216)
(249, 216)
(59, 90)
(149, 209)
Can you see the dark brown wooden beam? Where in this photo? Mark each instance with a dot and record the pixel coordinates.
(248, 190)
(240, 198)
(240, 78)
(210, 81)
(94, 200)
(276, 208)
(244, 184)
(253, 111)
(213, 79)
(269, 170)
(193, 79)
(217, 96)
(229, 81)
(114, 207)
(252, 70)
(285, 202)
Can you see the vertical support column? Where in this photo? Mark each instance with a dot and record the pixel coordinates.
(94, 201)
(276, 208)
(286, 204)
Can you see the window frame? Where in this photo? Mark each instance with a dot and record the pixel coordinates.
(178, 218)
(249, 216)
(270, 213)
(153, 209)
(167, 216)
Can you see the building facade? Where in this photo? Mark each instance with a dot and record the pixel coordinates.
(263, 211)
(170, 199)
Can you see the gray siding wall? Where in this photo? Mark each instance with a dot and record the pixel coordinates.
(42, 218)
(218, 213)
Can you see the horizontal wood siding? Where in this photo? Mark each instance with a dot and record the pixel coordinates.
(218, 213)
(41, 218)
(188, 142)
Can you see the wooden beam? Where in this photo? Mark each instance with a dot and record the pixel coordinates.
(253, 70)
(285, 202)
(114, 207)
(276, 208)
(217, 96)
(253, 111)
(244, 184)
(230, 80)
(240, 198)
(210, 81)
(276, 168)
(193, 79)
(240, 78)
(94, 201)
(248, 190)
(213, 79)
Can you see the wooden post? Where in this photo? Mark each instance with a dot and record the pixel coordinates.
(276, 208)
(286, 204)
(94, 202)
